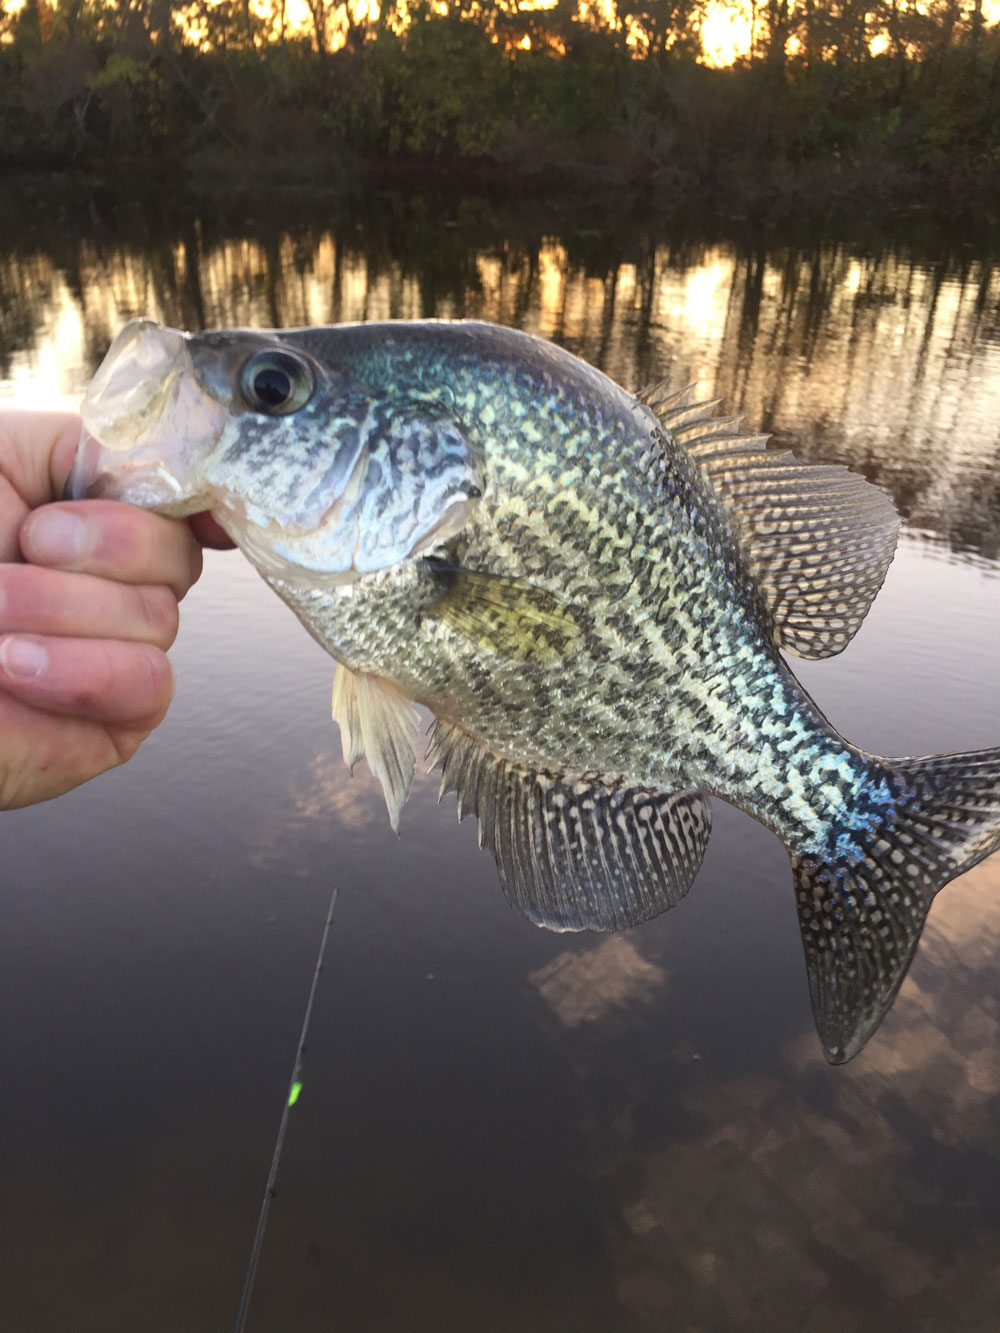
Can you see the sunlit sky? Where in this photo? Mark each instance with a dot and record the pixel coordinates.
(725, 34)
(726, 30)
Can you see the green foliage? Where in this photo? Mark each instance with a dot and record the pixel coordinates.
(434, 90)
(128, 103)
(542, 92)
(122, 74)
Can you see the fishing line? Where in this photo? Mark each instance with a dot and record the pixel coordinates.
(294, 1088)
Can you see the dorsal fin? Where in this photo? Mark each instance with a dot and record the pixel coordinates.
(574, 853)
(379, 724)
(818, 538)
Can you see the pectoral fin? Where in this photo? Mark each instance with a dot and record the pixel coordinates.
(575, 854)
(380, 724)
(507, 616)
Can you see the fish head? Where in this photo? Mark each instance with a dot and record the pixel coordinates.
(316, 476)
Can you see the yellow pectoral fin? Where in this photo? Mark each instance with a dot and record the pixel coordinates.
(504, 615)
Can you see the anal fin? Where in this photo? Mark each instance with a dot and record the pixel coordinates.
(378, 723)
(575, 854)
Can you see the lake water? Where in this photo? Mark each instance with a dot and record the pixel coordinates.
(500, 1129)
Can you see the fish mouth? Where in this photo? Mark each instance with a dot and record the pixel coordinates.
(161, 416)
(83, 474)
(148, 485)
(148, 424)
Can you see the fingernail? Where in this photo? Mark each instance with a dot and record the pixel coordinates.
(22, 658)
(58, 536)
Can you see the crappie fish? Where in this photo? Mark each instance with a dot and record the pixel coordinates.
(590, 590)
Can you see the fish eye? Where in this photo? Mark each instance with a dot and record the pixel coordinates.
(276, 383)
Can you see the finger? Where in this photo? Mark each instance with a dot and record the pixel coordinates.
(35, 449)
(36, 452)
(44, 755)
(98, 680)
(49, 601)
(114, 541)
(13, 511)
(208, 532)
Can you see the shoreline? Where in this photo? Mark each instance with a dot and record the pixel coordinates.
(838, 194)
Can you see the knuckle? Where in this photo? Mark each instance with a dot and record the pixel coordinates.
(159, 613)
(163, 550)
(196, 561)
(185, 557)
(20, 589)
(125, 740)
(160, 688)
(15, 780)
(121, 541)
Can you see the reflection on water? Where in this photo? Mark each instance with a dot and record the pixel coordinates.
(584, 986)
(872, 354)
(842, 1196)
(501, 1129)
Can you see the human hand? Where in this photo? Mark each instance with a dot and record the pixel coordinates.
(88, 607)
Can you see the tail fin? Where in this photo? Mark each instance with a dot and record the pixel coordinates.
(861, 918)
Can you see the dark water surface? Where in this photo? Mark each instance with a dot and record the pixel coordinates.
(501, 1129)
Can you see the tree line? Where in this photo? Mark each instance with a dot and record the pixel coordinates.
(879, 98)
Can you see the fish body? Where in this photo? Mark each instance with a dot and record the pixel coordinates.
(668, 644)
(590, 590)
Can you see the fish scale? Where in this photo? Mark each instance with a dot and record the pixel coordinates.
(740, 685)
(590, 590)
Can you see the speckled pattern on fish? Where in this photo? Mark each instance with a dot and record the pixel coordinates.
(591, 591)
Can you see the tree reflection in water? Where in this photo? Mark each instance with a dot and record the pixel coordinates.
(502, 1128)
(881, 353)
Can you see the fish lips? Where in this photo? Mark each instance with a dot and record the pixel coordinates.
(149, 485)
(148, 424)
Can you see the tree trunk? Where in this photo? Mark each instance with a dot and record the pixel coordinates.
(977, 23)
(777, 34)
